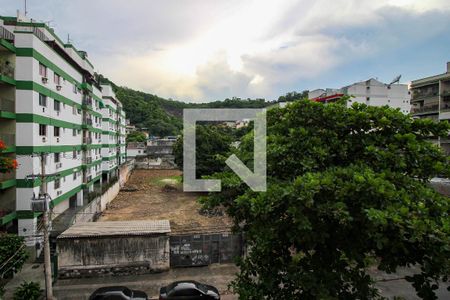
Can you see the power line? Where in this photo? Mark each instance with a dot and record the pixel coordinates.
(15, 253)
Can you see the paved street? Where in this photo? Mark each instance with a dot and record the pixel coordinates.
(216, 275)
(390, 285)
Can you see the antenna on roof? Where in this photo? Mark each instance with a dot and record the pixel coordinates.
(25, 8)
(48, 23)
(396, 79)
(68, 38)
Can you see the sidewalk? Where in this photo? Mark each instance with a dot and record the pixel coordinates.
(29, 272)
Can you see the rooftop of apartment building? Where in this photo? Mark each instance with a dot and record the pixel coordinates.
(136, 145)
(432, 79)
(23, 24)
(9, 26)
(370, 81)
(330, 94)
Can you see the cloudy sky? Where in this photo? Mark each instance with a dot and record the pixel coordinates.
(204, 50)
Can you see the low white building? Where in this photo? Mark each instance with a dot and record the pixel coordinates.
(136, 149)
(371, 92)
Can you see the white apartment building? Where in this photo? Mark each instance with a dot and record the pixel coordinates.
(52, 103)
(371, 92)
(113, 133)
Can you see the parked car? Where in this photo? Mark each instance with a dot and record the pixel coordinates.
(116, 293)
(188, 290)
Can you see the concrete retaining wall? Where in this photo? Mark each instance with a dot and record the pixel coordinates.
(125, 171)
(115, 255)
(89, 212)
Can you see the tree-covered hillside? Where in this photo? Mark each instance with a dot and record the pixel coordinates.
(163, 117)
(160, 116)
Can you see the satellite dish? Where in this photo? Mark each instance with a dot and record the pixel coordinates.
(396, 79)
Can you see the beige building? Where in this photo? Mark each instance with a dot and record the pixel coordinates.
(431, 99)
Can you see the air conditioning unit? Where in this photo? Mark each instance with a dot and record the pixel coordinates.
(58, 87)
(58, 193)
(58, 165)
(44, 139)
(44, 80)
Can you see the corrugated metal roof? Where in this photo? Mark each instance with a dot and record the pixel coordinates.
(116, 228)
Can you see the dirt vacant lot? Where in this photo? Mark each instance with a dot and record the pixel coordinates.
(159, 196)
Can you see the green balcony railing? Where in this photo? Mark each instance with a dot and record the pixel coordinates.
(7, 176)
(8, 138)
(6, 69)
(7, 105)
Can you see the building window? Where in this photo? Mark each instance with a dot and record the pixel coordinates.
(56, 105)
(57, 157)
(367, 98)
(74, 132)
(57, 79)
(42, 100)
(56, 131)
(75, 176)
(75, 88)
(42, 70)
(57, 183)
(74, 154)
(42, 130)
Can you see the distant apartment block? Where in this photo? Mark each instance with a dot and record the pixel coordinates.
(431, 99)
(136, 149)
(371, 92)
(113, 133)
(52, 102)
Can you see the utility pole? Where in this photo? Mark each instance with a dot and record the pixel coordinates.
(47, 263)
(41, 204)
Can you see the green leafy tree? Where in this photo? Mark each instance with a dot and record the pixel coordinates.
(13, 254)
(346, 187)
(28, 290)
(212, 144)
(292, 96)
(136, 136)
